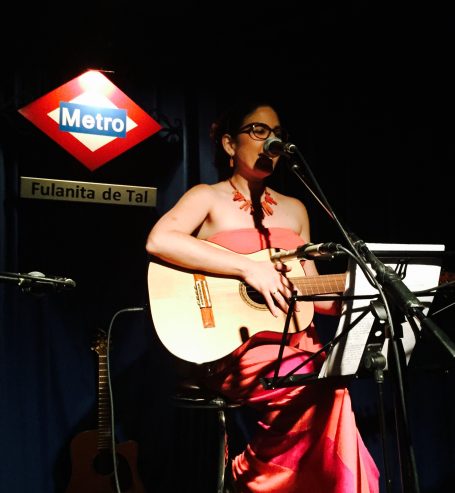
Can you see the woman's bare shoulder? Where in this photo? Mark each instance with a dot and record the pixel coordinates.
(204, 191)
(201, 191)
(289, 201)
(202, 188)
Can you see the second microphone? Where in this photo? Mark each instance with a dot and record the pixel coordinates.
(309, 251)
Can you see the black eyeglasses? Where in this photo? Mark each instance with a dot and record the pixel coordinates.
(261, 131)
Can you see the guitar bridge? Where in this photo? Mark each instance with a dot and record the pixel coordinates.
(204, 301)
(202, 293)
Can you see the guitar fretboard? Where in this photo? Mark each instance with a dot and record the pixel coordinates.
(323, 284)
(104, 430)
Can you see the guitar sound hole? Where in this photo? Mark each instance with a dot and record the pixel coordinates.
(255, 295)
(103, 464)
(256, 298)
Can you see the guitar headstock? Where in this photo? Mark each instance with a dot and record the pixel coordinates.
(100, 343)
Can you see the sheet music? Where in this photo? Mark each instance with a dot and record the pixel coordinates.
(345, 357)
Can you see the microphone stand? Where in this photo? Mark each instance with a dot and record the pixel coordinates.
(390, 287)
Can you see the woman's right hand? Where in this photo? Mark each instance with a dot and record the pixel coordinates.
(271, 281)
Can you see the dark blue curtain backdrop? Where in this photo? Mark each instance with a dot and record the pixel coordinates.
(49, 370)
(373, 118)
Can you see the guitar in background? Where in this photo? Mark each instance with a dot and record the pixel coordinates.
(91, 451)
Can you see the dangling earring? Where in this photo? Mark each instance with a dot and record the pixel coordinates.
(231, 161)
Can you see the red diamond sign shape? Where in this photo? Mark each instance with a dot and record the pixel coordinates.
(91, 118)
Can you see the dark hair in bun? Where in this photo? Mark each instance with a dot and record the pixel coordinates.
(229, 122)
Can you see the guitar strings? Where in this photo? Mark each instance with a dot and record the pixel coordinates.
(331, 283)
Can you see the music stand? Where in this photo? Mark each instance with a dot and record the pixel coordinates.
(418, 265)
(360, 344)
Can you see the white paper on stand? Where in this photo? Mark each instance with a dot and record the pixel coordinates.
(345, 356)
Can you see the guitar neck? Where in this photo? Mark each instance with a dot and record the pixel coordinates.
(104, 428)
(322, 284)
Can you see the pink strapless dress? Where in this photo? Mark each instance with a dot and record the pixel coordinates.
(306, 440)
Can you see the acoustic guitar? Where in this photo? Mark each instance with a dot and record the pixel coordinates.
(91, 451)
(201, 317)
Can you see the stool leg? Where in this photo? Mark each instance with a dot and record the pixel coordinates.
(222, 451)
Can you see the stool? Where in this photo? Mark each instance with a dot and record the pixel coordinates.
(192, 396)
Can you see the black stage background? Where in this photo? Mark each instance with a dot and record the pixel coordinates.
(367, 94)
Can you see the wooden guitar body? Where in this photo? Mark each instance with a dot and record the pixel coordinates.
(93, 471)
(201, 317)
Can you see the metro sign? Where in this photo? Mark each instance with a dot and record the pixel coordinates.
(91, 118)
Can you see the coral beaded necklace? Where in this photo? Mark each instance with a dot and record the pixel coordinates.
(247, 205)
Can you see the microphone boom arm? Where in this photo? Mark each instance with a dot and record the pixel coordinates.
(36, 278)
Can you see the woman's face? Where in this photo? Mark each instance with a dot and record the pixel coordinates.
(247, 148)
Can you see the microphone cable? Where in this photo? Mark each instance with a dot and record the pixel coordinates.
(110, 392)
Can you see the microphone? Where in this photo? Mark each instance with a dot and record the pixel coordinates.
(309, 251)
(38, 283)
(274, 147)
